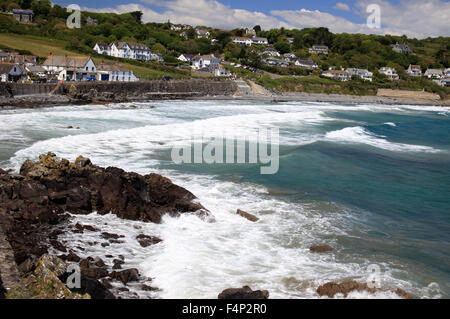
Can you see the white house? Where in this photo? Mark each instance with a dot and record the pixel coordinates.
(306, 63)
(186, 57)
(258, 40)
(115, 72)
(276, 62)
(221, 71)
(318, 49)
(434, 73)
(414, 70)
(241, 40)
(270, 52)
(130, 51)
(102, 48)
(363, 74)
(401, 48)
(10, 72)
(203, 61)
(202, 33)
(70, 68)
(391, 73)
(337, 75)
(127, 51)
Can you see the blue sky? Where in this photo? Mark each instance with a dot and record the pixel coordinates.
(416, 18)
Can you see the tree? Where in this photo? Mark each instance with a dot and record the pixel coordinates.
(282, 45)
(137, 15)
(159, 48)
(257, 28)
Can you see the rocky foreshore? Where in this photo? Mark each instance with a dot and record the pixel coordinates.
(35, 208)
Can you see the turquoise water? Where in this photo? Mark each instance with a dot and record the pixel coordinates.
(371, 180)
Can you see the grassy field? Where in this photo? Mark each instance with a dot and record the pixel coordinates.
(41, 48)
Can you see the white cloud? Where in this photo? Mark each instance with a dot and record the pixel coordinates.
(415, 18)
(418, 18)
(342, 6)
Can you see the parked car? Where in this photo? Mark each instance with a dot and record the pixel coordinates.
(40, 80)
(52, 81)
(91, 78)
(166, 78)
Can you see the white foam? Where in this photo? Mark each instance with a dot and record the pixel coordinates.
(359, 135)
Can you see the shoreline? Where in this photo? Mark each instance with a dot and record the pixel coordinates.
(45, 100)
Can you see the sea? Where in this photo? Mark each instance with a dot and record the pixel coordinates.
(372, 181)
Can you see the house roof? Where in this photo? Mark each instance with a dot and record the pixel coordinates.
(35, 68)
(306, 61)
(67, 61)
(434, 71)
(112, 66)
(241, 38)
(336, 71)
(103, 45)
(320, 47)
(6, 67)
(259, 39)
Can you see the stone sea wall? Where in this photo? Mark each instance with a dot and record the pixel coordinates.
(194, 87)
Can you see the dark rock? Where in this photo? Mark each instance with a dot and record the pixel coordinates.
(106, 283)
(145, 240)
(320, 249)
(58, 246)
(91, 286)
(243, 293)
(71, 257)
(330, 289)
(149, 288)
(248, 216)
(126, 276)
(82, 228)
(111, 236)
(93, 269)
(28, 265)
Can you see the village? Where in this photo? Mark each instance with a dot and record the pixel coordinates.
(15, 67)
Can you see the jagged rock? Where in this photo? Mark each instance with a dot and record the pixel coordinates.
(145, 240)
(330, 289)
(248, 216)
(106, 235)
(72, 257)
(95, 269)
(320, 249)
(126, 276)
(149, 288)
(28, 265)
(44, 282)
(48, 188)
(243, 293)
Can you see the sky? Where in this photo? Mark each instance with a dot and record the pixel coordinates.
(415, 18)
